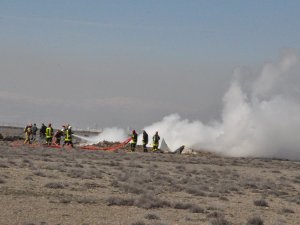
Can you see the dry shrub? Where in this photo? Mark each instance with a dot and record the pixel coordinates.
(195, 191)
(220, 221)
(2, 181)
(148, 201)
(138, 223)
(196, 209)
(39, 174)
(151, 216)
(132, 189)
(286, 210)
(91, 185)
(256, 220)
(223, 198)
(66, 200)
(181, 205)
(119, 201)
(75, 173)
(54, 185)
(92, 174)
(3, 165)
(215, 215)
(261, 202)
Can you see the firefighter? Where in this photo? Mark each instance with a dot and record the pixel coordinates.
(134, 138)
(43, 131)
(49, 134)
(34, 130)
(155, 139)
(68, 136)
(145, 141)
(58, 134)
(28, 132)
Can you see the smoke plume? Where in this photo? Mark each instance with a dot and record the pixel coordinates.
(260, 116)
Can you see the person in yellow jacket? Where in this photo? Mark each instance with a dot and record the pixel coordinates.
(134, 138)
(28, 132)
(155, 142)
(49, 134)
(68, 136)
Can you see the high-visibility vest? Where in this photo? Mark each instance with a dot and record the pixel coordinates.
(155, 139)
(49, 132)
(134, 138)
(68, 136)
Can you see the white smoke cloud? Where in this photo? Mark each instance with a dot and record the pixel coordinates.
(113, 134)
(260, 119)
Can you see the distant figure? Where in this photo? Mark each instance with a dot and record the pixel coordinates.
(34, 130)
(155, 139)
(58, 134)
(28, 133)
(49, 134)
(43, 131)
(134, 138)
(68, 136)
(145, 141)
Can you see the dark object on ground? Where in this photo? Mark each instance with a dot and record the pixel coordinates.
(1, 136)
(179, 150)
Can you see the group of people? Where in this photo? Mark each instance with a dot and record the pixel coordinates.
(155, 141)
(47, 134)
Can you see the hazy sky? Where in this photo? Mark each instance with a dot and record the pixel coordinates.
(130, 63)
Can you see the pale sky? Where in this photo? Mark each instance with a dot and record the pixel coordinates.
(129, 63)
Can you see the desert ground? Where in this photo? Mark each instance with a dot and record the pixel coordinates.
(44, 186)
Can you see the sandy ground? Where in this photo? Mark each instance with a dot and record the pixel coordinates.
(73, 186)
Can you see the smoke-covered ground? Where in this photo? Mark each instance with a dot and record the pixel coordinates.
(260, 116)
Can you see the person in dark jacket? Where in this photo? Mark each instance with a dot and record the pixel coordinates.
(58, 134)
(43, 131)
(134, 139)
(145, 141)
(33, 130)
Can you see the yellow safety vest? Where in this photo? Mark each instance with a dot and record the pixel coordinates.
(49, 132)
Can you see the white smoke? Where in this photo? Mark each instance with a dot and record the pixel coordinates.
(260, 118)
(113, 134)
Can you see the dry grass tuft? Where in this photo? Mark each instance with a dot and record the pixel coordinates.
(256, 220)
(151, 216)
(54, 185)
(261, 202)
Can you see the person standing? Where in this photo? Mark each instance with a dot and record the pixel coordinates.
(49, 134)
(58, 134)
(43, 131)
(68, 136)
(34, 130)
(134, 138)
(155, 144)
(28, 133)
(145, 141)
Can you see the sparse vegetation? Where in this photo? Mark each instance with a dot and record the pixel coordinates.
(151, 216)
(256, 220)
(261, 202)
(54, 185)
(220, 221)
(151, 184)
